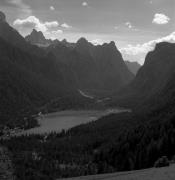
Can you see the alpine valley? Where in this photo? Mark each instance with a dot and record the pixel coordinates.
(134, 120)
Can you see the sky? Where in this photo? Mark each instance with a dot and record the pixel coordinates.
(135, 25)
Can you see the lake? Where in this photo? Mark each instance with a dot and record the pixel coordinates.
(55, 122)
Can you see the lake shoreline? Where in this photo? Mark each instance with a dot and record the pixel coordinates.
(64, 120)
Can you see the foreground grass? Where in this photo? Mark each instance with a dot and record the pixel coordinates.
(165, 173)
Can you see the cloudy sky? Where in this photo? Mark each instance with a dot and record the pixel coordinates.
(135, 25)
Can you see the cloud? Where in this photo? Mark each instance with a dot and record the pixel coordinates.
(53, 34)
(51, 30)
(58, 32)
(97, 42)
(137, 49)
(126, 26)
(52, 8)
(52, 24)
(84, 4)
(160, 19)
(66, 26)
(129, 25)
(33, 22)
(143, 49)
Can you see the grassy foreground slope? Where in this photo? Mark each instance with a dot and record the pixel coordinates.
(166, 173)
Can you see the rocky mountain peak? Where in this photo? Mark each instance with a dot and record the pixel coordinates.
(82, 41)
(37, 38)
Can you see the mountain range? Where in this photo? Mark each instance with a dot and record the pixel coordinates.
(94, 67)
(36, 71)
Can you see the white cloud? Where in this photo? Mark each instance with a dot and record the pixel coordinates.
(129, 25)
(50, 29)
(33, 22)
(97, 41)
(160, 19)
(52, 24)
(52, 8)
(53, 34)
(84, 4)
(126, 26)
(143, 49)
(66, 26)
(58, 32)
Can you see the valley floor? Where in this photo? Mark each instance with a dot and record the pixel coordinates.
(166, 173)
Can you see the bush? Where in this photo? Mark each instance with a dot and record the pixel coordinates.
(173, 160)
(162, 162)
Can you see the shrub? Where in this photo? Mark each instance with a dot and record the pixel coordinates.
(162, 162)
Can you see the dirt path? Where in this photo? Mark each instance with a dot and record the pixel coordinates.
(6, 168)
(166, 173)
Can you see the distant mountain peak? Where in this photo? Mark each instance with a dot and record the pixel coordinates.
(34, 31)
(110, 46)
(133, 66)
(37, 34)
(83, 46)
(38, 38)
(112, 43)
(2, 17)
(163, 45)
(82, 41)
(64, 41)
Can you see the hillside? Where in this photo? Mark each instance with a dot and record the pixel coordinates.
(166, 173)
(29, 79)
(151, 80)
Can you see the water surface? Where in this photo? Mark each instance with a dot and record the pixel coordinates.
(55, 122)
